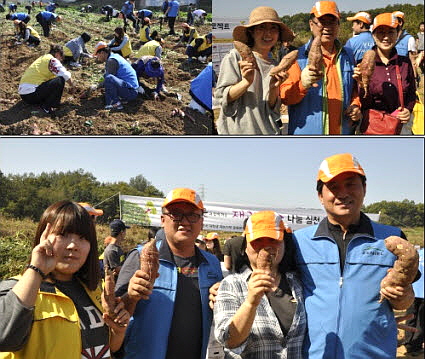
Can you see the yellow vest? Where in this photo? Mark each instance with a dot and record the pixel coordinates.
(148, 49)
(67, 51)
(187, 35)
(142, 36)
(204, 45)
(127, 50)
(33, 32)
(55, 332)
(38, 72)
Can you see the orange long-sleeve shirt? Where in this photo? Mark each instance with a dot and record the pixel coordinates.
(292, 91)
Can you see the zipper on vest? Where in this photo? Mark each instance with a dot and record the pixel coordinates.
(341, 281)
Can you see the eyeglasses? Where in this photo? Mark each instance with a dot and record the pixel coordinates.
(178, 216)
(326, 23)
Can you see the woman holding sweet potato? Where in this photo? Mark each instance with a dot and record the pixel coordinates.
(53, 310)
(259, 313)
(247, 94)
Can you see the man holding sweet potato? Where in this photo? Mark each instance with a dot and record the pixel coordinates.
(342, 262)
(171, 317)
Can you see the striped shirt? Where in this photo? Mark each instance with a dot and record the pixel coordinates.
(266, 340)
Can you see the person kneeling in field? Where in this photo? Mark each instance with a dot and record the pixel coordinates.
(43, 82)
(120, 79)
(151, 48)
(27, 34)
(75, 49)
(200, 47)
(147, 67)
(121, 43)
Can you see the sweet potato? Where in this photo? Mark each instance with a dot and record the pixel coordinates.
(285, 63)
(315, 56)
(245, 52)
(149, 260)
(405, 267)
(265, 259)
(367, 66)
(109, 301)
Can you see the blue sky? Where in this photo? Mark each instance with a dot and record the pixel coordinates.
(275, 172)
(242, 8)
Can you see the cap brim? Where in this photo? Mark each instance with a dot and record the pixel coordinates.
(269, 233)
(180, 200)
(351, 18)
(327, 179)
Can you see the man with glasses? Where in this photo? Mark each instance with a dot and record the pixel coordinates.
(322, 102)
(172, 319)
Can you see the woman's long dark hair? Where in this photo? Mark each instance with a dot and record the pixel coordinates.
(69, 217)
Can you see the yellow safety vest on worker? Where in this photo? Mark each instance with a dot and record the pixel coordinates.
(148, 49)
(186, 36)
(38, 72)
(205, 45)
(33, 32)
(55, 320)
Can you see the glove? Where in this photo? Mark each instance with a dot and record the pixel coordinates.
(308, 77)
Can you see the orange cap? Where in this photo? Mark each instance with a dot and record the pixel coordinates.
(183, 195)
(99, 45)
(321, 8)
(361, 16)
(337, 164)
(211, 235)
(92, 211)
(385, 19)
(399, 14)
(264, 224)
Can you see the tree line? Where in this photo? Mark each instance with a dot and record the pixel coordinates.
(28, 195)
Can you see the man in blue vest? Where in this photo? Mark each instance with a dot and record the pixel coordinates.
(127, 12)
(342, 261)
(406, 44)
(362, 39)
(19, 16)
(120, 79)
(171, 14)
(46, 19)
(172, 317)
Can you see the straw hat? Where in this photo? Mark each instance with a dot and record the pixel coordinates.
(261, 15)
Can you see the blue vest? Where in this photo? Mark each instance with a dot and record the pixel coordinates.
(174, 8)
(18, 16)
(360, 44)
(147, 12)
(201, 87)
(125, 71)
(402, 44)
(49, 16)
(147, 333)
(345, 319)
(127, 8)
(307, 116)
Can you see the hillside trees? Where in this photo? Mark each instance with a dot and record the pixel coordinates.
(405, 213)
(27, 195)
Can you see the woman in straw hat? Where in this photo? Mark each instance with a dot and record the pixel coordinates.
(382, 91)
(247, 94)
(259, 312)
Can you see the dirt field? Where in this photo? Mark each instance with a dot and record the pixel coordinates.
(76, 116)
